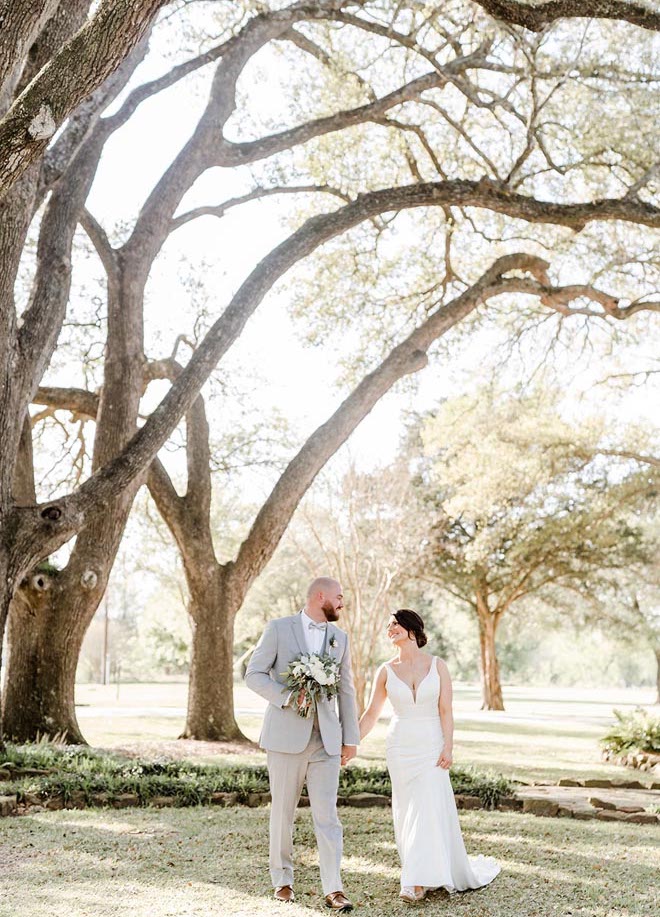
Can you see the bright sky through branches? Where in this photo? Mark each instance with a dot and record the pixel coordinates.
(297, 379)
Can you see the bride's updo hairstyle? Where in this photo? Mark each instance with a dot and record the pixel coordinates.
(411, 622)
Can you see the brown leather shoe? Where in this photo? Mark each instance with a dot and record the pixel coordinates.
(338, 902)
(284, 893)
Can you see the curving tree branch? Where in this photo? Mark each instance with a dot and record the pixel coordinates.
(53, 524)
(257, 194)
(537, 17)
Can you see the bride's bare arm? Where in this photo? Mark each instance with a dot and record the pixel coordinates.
(446, 715)
(378, 695)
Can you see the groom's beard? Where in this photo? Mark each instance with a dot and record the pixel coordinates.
(330, 612)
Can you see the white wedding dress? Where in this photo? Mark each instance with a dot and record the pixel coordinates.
(426, 828)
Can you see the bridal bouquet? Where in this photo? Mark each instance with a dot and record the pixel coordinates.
(311, 677)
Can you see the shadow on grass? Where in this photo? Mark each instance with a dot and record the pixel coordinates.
(189, 862)
(552, 728)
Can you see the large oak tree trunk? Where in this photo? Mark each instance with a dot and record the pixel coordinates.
(41, 666)
(47, 627)
(491, 687)
(47, 635)
(210, 714)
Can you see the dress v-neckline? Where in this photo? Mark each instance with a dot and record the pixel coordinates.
(416, 691)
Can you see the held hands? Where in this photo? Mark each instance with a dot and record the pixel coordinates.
(446, 758)
(348, 752)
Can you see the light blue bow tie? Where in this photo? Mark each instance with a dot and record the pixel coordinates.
(313, 626)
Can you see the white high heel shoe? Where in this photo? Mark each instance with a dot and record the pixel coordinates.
(409, 894)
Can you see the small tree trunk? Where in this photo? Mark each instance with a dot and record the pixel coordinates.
(657, 673)
(210, 715)
(491, 687)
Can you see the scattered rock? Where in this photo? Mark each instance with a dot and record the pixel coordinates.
(469, 802)
(364, 800)
(100, 800)
(642, 818)
(224, 799)
(598, 782)
(630, 809)
(583, 813)
(162, 802)
(125, 801)
(55, 802)
(510, 804)
(8, 806)
(641, 760)
(258, 799)
(568, 781)
(77, 800)
(609, 815)
(599, 803)
(544, 807)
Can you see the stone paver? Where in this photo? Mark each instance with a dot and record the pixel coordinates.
(604, 803)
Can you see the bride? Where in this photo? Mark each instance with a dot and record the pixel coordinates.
(419, 755)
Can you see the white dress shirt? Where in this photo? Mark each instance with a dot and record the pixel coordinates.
(313, 636)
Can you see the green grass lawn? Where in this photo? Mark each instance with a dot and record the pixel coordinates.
(543, 735)
(208, 862)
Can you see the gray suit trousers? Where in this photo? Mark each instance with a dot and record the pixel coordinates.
(288, 773)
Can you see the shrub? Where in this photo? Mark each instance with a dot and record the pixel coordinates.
(80, 769)
(636, 731)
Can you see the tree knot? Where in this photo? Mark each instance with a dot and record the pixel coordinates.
(42, 126)
(51, 513)
(89, 579)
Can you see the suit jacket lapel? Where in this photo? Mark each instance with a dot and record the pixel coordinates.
(297, 628)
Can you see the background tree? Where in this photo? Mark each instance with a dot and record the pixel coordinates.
(359, 528)
(628, 606)
(646, 616)
(520, 512)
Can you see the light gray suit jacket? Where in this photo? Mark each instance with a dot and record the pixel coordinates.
(283, 729)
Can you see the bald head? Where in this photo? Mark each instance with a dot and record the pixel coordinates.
(324, 599)
(322, 584)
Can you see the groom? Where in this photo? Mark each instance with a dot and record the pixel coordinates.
(310, 749)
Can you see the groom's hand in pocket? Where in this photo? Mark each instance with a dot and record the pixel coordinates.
(348, 752)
